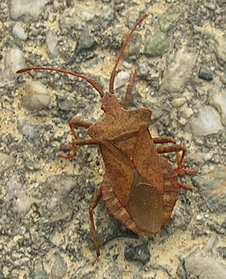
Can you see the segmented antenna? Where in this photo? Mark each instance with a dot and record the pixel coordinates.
(112, 78)
(89, 80)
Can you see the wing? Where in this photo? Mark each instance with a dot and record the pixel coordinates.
(133, 167)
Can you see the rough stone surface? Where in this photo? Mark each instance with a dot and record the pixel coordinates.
(207, 122)
(203, 264)
(44, 199)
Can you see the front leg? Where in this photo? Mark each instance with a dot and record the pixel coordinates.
(76, 123)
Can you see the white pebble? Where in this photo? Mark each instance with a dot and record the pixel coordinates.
(121, 79)
(18, 31)
(51, 42)
(36, 96)
(208, 122)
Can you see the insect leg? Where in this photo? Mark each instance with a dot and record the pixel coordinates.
(129, 90)
(163, 140)
(94, 203)
(76, 123)
(173, 148)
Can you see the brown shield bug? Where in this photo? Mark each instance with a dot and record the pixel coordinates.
(140, 187)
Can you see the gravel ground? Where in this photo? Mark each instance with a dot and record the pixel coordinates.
(179, 50)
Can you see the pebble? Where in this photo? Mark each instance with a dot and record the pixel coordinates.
(51, 42)
(203, 264)
(6, 162)
(212, 189)
(207, 122)
(15, 190)
(36, 96)
(179, 102)
(218, 100)
(14, 61)
(121, 79)
(85, 42)
(27, 129)
(170, 17)
(23, 204)
(156, 44)
(39, 272)
(178, 73)
(19, 32)
(54, 208)
(205, 74)
(137, 253)
(59, 267)
(220, 49)
(210, 6)
(27, 9)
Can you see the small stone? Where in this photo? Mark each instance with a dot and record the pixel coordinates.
(28, 9)
(137, 253)
(210, 6)
(178, 73)
(51, 42)
(170, 18)
(121, 79)
(27, 129)
(6, 162)
(134, 46)
(202, 264)
(217, 99)
(39, 272)
(14, 188)
(85, 42)
(220, 49)
(19, 32)
(36, 96)
(212, 189)
(23, 204)
(179, 102)
(59, 268)
(156, 44)
(199, 217)
(222, 252)
(205, 74)
(14, 60)
(207, 122)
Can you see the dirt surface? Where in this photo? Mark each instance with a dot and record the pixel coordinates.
(179, 51)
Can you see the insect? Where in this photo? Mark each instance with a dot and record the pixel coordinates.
(140, 187)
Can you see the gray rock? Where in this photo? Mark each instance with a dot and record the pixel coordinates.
(212, 189)
(36, 96)
(156, 44)
(13, 61)
(19, 32)
(220, 49)
(179, 102)
(28, 9)
(170, 17)
(207, 122)
(51, 42)
(59, 267)
(39, 272)
(121, 79)
(178, 73)
(203, 264)
(139, 253)
(205, 74)
(6, 162)
(217, 99)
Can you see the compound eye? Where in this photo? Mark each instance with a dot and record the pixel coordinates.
(103, 107)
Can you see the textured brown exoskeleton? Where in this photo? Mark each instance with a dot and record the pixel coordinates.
(140, 187)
